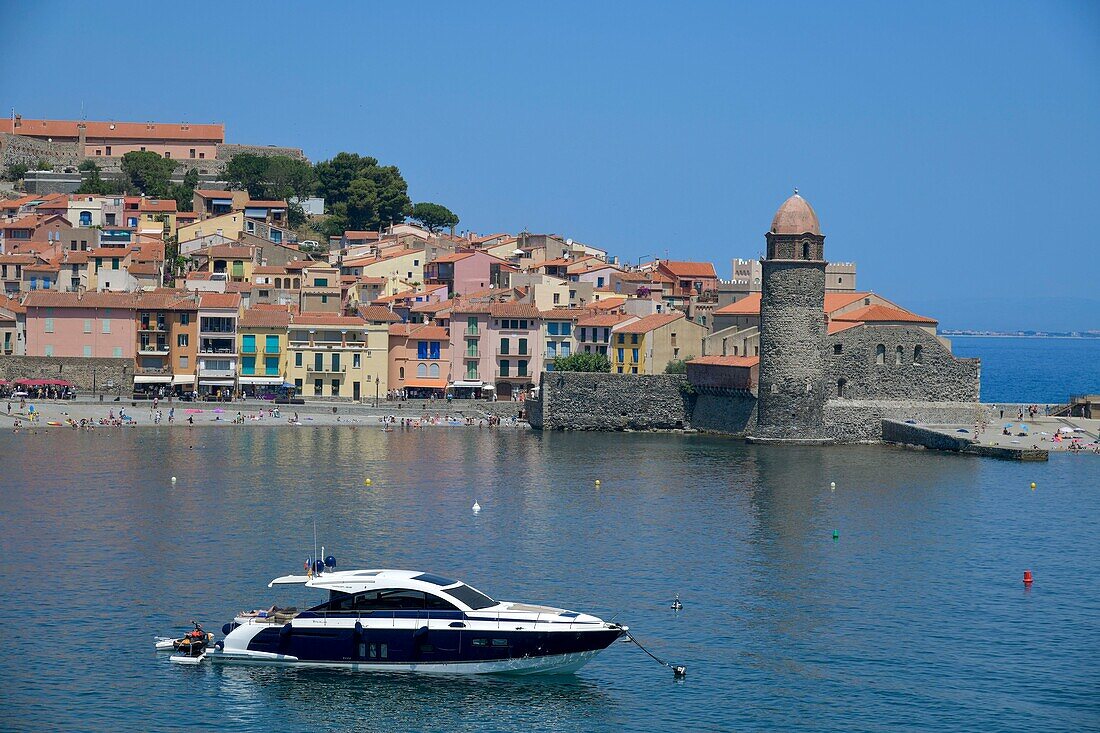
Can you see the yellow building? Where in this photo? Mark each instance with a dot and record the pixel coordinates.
(154, 214)
(334, 356)
(235, 261)
(229, 226)
(262, 342)
(646, 346)
(402, 270)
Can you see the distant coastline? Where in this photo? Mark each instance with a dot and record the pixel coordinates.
(1023, 334)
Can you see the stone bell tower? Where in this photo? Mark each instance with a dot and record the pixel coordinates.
(791, 392)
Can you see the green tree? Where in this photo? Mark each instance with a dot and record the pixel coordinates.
(433, 216)
(184, 193)
(271, 177)
(360, 193)
(16, 171)
(93, 182)
(678, 366)
(148, 173)
(580, 362)
(249, 172)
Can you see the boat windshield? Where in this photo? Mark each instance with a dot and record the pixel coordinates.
(472, 598)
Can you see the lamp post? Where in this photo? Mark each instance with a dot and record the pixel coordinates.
(376, 390)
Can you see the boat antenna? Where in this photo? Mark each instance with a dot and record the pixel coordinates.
(314, 541)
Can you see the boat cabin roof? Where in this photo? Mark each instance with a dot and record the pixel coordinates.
(356, 581)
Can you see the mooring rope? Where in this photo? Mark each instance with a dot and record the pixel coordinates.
(678, 669)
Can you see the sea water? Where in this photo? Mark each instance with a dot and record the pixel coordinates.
(913, 618)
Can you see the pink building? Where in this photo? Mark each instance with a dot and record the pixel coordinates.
(471, 358)
(419, 359)
(467, 272)
(81, 324)
(514, 337)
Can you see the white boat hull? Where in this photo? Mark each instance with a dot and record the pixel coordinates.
(553, 664)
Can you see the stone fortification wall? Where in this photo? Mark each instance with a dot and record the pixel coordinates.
(939, 377)
(732, 414)
(598, 401)
(228, 150)
(84, 372)
(28, 151)
(860, 421)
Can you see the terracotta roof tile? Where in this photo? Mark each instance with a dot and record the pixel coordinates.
(604, 320)
(882, 313)
(689, 269)
(378, 314)
(514, 310)
(252, 318)
(732, 361)
(651, 323)
(219, 300)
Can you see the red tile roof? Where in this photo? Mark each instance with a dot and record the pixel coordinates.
(116, 130)
(261, 204)
(55, 299)
(747, 306)
(213, 193)
(882, 313)
(604, 320)
(731, 361)
(378, 314)
(838, 326)
(514, 310)
(651, 323)
(158, 205)
(453, 257)
(220, 300)
(689, 269)
(264, 319)
(430, 332)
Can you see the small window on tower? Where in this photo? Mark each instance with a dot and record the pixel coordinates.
(838, 348)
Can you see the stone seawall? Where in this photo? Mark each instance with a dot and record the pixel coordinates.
(86, 373)
(928, 437)
(730, 414)
(598, 401)
(860, 421)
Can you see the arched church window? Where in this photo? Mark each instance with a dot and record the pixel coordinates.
(805, 250)
(900, 355)
(840, 385)
(918, 355)
(880, 354)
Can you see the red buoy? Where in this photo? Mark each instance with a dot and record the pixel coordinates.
(1027, 577)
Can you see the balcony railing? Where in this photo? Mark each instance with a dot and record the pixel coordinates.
(555, 354)
(511, 374)
(475, 354)
(219, 350)
(153, 349)
(203, 372)
(474, 331)
(155, 327)
(340, 370)
(152, 370)
(506, 354)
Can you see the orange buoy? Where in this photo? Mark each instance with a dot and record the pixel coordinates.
(1027, 577)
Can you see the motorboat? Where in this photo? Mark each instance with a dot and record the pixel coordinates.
(411, 621)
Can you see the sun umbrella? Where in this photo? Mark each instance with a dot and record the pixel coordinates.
(219, 410)
(1008, 425)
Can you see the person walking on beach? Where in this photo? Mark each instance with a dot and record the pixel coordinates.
(171, 414)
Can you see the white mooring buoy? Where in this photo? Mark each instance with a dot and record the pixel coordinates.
(173, 479)
(476, 507)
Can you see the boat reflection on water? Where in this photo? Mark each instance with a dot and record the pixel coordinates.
(371, 700)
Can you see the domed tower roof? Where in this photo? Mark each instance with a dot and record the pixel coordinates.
(795, 216)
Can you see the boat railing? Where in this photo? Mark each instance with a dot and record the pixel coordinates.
(500, 617)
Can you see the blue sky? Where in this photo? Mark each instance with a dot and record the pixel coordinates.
(951, 149)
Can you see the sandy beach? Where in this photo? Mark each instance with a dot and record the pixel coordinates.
(1038, 432)
(58, 415)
